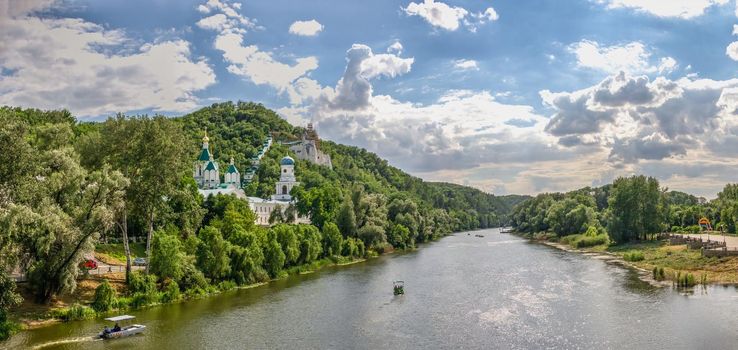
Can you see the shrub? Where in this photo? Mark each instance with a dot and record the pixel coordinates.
(658, 273)
(226, 285)
(74, 313)
(171, 292)
(693, 229)
(633, 256)
(141, 283)
(104, 297)
(686, 280)
(7, 327)
(591, 241)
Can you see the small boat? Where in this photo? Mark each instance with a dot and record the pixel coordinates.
(117, 331)
(398, 287)
(478, 235)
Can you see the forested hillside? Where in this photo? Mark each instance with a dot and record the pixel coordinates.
(65, 184)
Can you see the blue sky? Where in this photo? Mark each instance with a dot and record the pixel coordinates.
(507, 96)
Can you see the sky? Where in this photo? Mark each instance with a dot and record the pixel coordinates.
(507, 96)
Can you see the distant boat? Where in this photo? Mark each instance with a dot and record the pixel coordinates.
(120, 332)
(478, 236)
(398, 287)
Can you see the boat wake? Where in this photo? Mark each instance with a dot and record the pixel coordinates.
(67, 341)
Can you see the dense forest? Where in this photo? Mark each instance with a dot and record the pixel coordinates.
(65, 184)
(631, 208)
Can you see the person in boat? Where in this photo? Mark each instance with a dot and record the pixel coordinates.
(106, 330)
(116, 328)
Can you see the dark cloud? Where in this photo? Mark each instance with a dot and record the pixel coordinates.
(653, 148)
(574, 116)
(620, 90)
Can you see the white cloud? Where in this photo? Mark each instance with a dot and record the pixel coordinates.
(217, 22)
(438, 14)
(458, 131)
(684, 9)
(79, 65)
(388, 65)
(248, 61)
(635, 118)
(463, 64)
(441, 15)
(632, 58)
(667, 65)
(732, 51)
(395, 48)
(306, 28)
(490, 14)
(203, 9)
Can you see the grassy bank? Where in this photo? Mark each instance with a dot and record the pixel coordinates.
(674, 260)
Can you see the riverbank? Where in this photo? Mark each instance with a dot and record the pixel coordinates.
(645, 256)
(76, 306)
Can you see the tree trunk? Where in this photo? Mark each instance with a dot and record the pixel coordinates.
(126, 247)
(148, 240)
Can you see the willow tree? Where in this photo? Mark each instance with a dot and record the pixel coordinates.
(54, 231)
(152, 153)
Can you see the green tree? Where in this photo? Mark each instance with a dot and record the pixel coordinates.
(636, 208)
(104, 299)
(332, 239)
(346, 218)
(167, 256)
(274, 257)
(212, 254)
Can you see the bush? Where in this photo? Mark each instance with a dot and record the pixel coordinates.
(140, 300)
(694, 229)
(658, 273)
(591, 241)
(633, 256)
(104, 297)
(686, 280)
(75, 312)
(141, 283)
(7, 327)
(171, 292)
(226, 285)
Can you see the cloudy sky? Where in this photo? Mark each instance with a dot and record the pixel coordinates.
(508, 96)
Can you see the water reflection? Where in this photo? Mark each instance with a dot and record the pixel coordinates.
(463, 291)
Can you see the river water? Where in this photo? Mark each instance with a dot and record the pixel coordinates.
(463, 291)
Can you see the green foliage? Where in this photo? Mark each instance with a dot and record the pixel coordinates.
(346, 218)
(171, 292)
(636, 208)
(591, 241)
(142, 288)
(7, 327)
(212, 254)
(658, 273)
(104, 299)
(75, 312)
(274, 257)
(167, 256)
(332, 239)
(633, 256)
(686, 280)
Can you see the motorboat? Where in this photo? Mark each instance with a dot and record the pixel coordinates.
(117, 331)
(398, 287)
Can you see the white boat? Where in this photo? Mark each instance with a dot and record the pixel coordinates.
(117, 331)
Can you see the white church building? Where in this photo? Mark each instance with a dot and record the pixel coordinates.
(207, 175)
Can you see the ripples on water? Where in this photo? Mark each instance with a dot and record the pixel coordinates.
(496, 291)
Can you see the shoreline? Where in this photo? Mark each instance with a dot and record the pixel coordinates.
(46, 320)
(721, 274)
(643, 274)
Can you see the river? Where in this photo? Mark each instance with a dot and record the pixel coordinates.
(463, 291)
